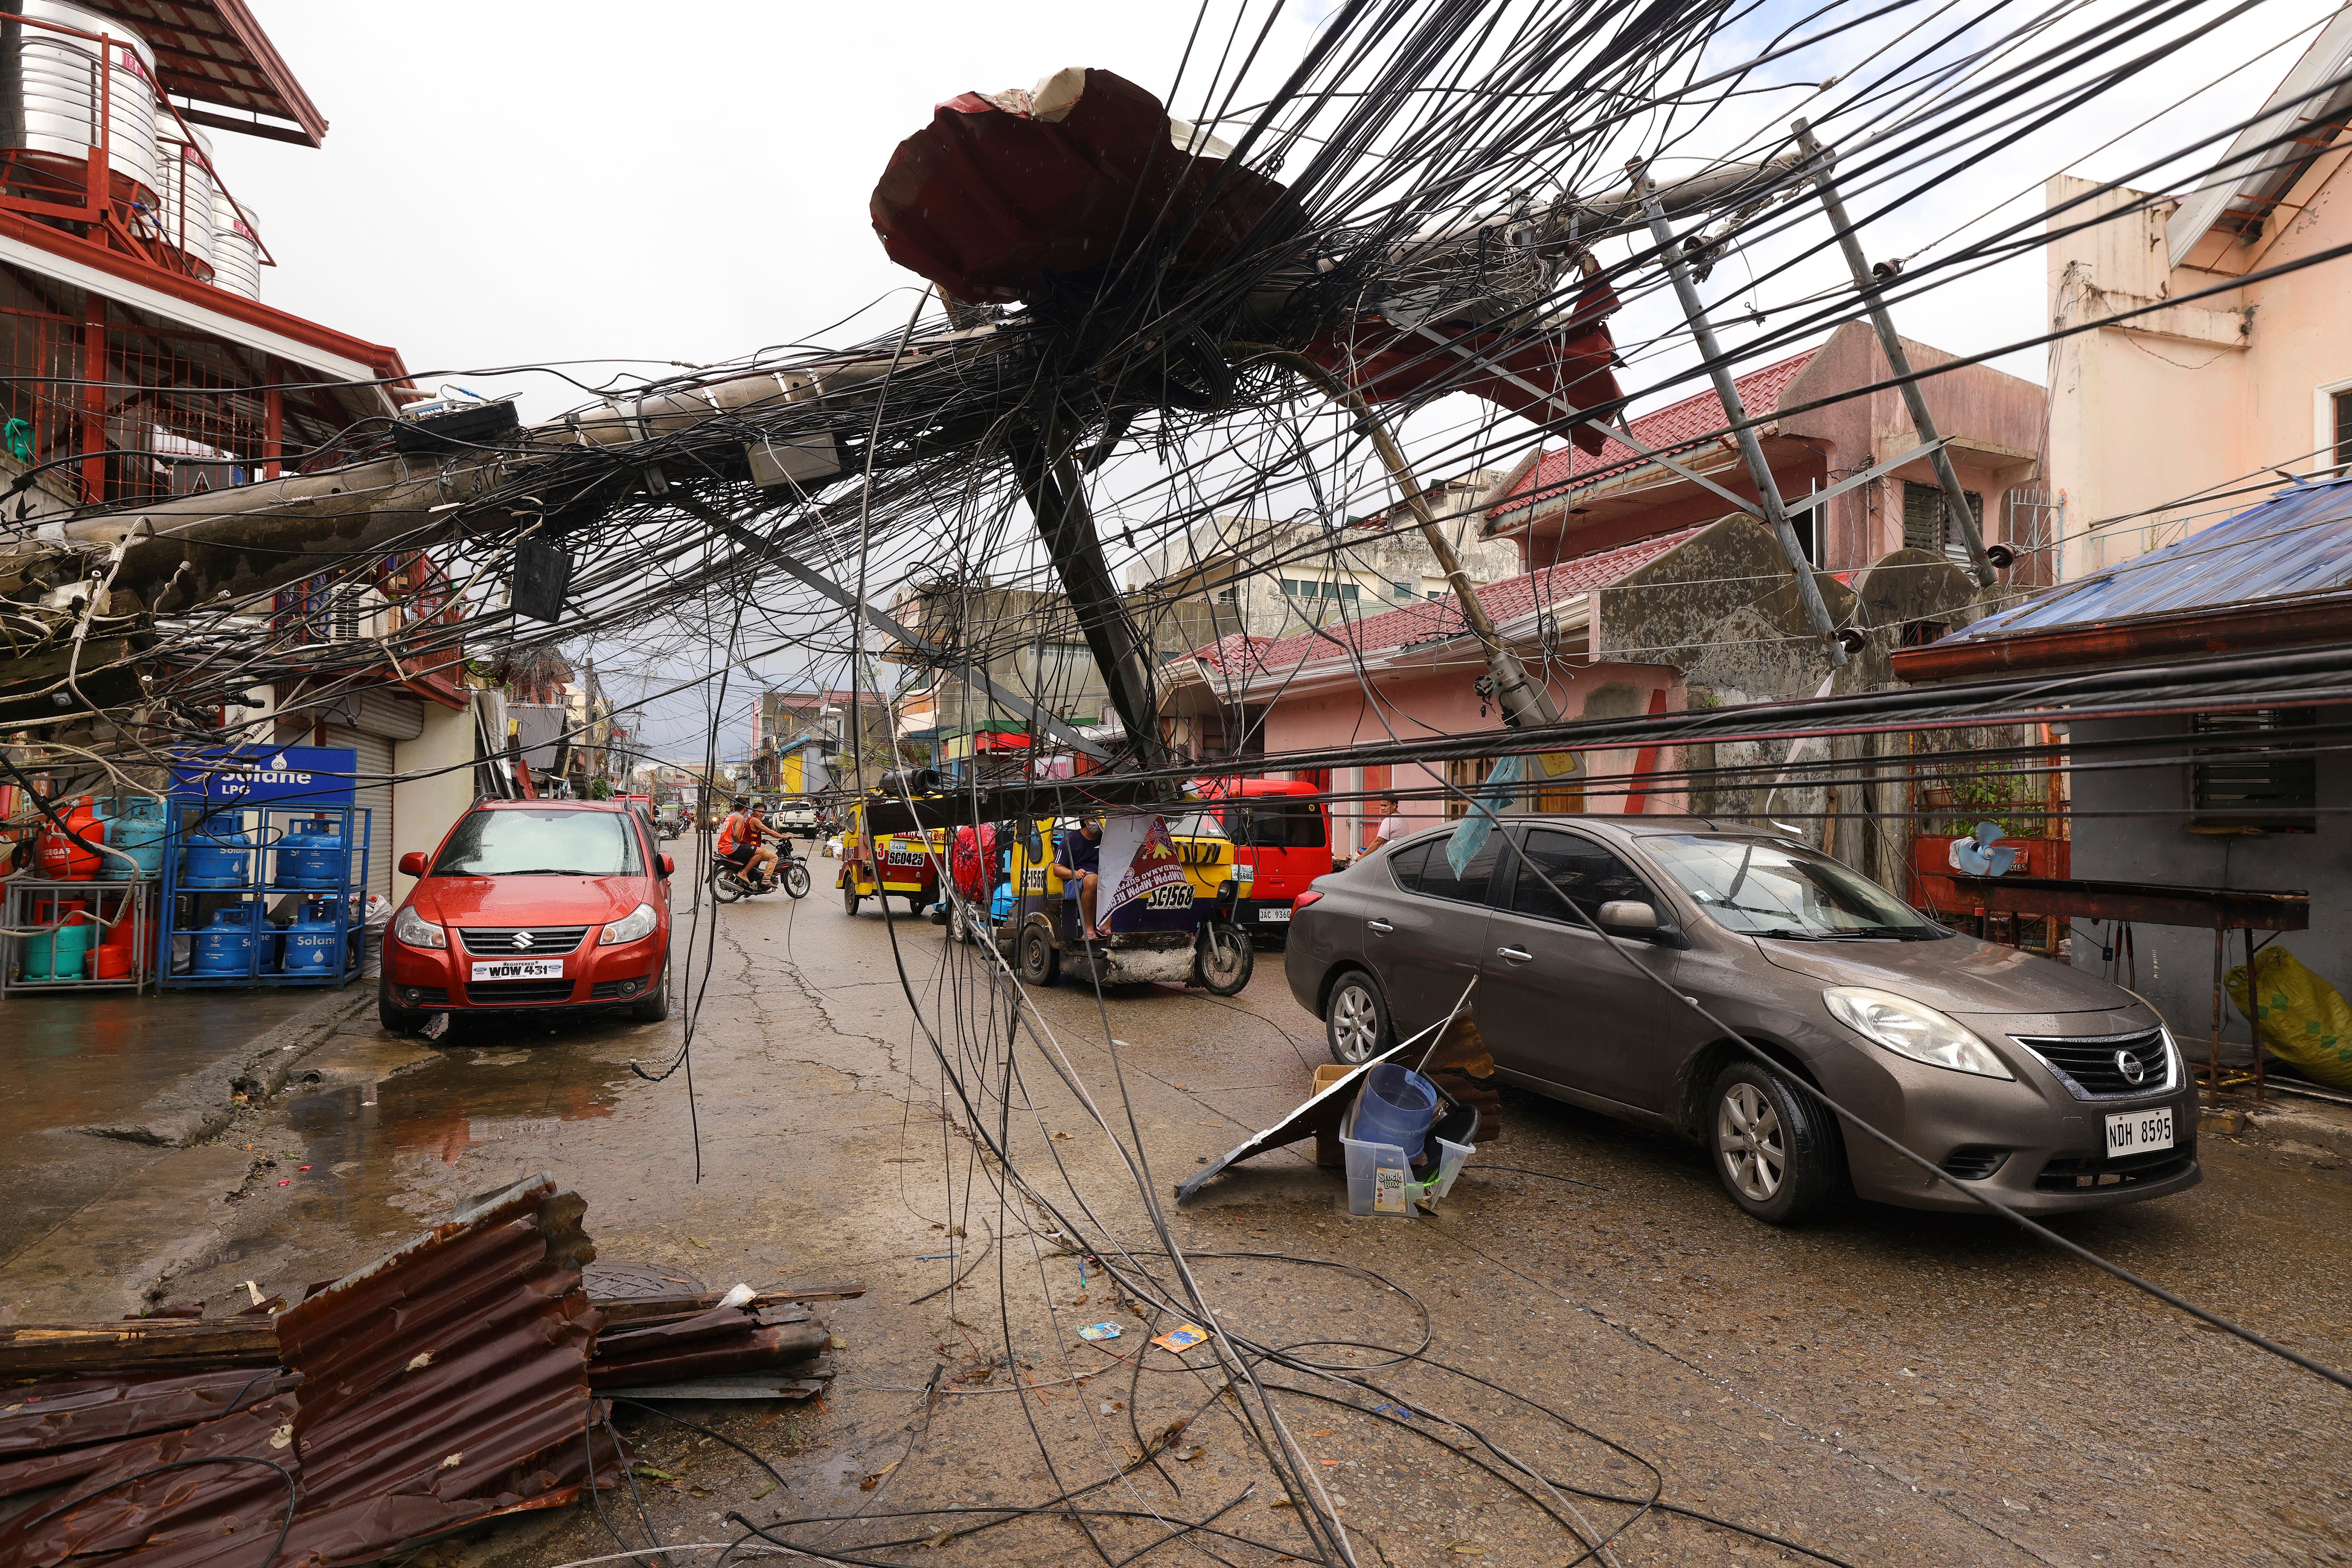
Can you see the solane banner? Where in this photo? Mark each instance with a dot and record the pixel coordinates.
(265, 775)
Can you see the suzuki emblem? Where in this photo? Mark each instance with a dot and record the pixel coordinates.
(522, 939)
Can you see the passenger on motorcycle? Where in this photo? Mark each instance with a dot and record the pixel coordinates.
(742, 843)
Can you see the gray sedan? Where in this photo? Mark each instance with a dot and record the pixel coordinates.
(2053, 1089)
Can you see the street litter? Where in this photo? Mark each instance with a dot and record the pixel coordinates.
(480, 1351)
(1384, 1152)
(1181, 1338)
(1099, 1331)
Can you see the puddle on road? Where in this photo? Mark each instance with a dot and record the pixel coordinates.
(368, 1145)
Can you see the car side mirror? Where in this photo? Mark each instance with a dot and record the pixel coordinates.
(412, 863)
(669, 868)
(1629, 917)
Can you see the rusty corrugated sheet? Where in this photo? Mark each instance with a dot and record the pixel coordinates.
(53, 1433)
(729, 1339)
(442, 1385)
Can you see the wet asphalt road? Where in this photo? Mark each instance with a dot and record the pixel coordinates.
(1887, 1388)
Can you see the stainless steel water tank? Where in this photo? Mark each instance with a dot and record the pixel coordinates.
(188, 191)
(49, 92)
(237, 255)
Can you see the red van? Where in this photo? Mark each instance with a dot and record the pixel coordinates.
(1281, 832)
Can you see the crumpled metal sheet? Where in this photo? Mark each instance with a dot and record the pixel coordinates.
(55, 1432)
(439, 1386)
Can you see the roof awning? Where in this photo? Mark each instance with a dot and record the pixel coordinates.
(212, 51)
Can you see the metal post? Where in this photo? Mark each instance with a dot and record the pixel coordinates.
(1767, 492)
(2213, 1053)
(273, 421)
(93, 400)
(1956, 500)
(1067, 526)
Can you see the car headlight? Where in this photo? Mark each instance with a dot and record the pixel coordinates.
(1910, 1029)
(413, 930)
(2175, 1060)
(637, 923)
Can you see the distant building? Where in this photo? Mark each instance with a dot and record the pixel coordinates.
(1266, 579)
(2175, 417)
(1029, 643)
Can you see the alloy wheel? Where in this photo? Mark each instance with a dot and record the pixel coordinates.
(1749, 1140)
(1355, 1024)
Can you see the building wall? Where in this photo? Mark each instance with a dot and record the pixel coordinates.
(2175, 964)
(2192, 397)
(1996, 422)
(1440, 700)
(436, 784)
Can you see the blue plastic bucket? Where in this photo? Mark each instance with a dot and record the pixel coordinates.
(1397, 1106)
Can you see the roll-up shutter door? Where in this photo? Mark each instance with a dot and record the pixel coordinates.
(374, 793)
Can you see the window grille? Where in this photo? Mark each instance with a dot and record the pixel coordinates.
(1928, 525)
(2255, 771)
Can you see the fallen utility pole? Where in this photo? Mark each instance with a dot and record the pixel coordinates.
(1956, 500)
(1524, 700)
(1751, 451)
(1066, 525)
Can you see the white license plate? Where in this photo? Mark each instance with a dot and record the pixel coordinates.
(2138, 1132)
(519, 969)
(1278, 916)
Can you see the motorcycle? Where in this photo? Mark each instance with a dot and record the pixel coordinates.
(729, 885)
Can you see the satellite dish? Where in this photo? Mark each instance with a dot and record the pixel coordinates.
(1975, 854)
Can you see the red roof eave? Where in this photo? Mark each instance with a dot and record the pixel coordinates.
(2226, 630)
(385, 361)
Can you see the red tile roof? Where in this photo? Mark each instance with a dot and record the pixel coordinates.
(1243, 658)
(1689, 420)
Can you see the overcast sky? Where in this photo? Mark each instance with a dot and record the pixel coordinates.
(526, 184)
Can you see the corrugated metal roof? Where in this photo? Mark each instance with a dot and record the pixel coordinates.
(2297, 542)
(1671, 427)
(1438, 619)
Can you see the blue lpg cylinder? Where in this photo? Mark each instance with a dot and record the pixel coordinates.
(218, 853)
(226, 946)
(313, 940)
(312, 855)
(137, 828)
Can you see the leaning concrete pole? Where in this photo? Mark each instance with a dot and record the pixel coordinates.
(1751, 451)
(1956, 500)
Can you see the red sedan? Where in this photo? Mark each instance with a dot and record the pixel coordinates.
(532, 903)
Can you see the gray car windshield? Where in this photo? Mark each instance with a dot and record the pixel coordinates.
(521, 842)
(1763, 888)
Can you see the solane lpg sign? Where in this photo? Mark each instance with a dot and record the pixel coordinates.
(267, 776)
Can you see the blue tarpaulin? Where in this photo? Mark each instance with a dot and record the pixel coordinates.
(2297, 542)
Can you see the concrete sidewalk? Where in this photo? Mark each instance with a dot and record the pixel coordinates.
(113, 1099)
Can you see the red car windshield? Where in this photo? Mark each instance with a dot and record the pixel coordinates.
(526, 843)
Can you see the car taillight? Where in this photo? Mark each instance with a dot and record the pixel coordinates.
(1302, 900)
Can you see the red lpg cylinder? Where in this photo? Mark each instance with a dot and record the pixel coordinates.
(60, 858)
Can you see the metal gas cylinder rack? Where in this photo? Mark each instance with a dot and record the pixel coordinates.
(262, 894)
(78, 935)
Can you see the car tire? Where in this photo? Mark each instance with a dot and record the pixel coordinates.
(1223, 959)
(399, 1020)
(654, 1006)
(1775, 1149)
(1355, 1020)
(1039, 961)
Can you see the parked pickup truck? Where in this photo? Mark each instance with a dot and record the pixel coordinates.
(794, 816)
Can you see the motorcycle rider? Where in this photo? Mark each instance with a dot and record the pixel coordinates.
(741, 844)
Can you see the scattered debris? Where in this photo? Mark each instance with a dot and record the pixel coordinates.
(458, 1379)
(1099, 1331)
(1181, 1338)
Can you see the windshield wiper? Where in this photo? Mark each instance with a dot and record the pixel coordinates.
(544, 871)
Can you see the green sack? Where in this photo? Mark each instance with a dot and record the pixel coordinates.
(2305, 1021)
